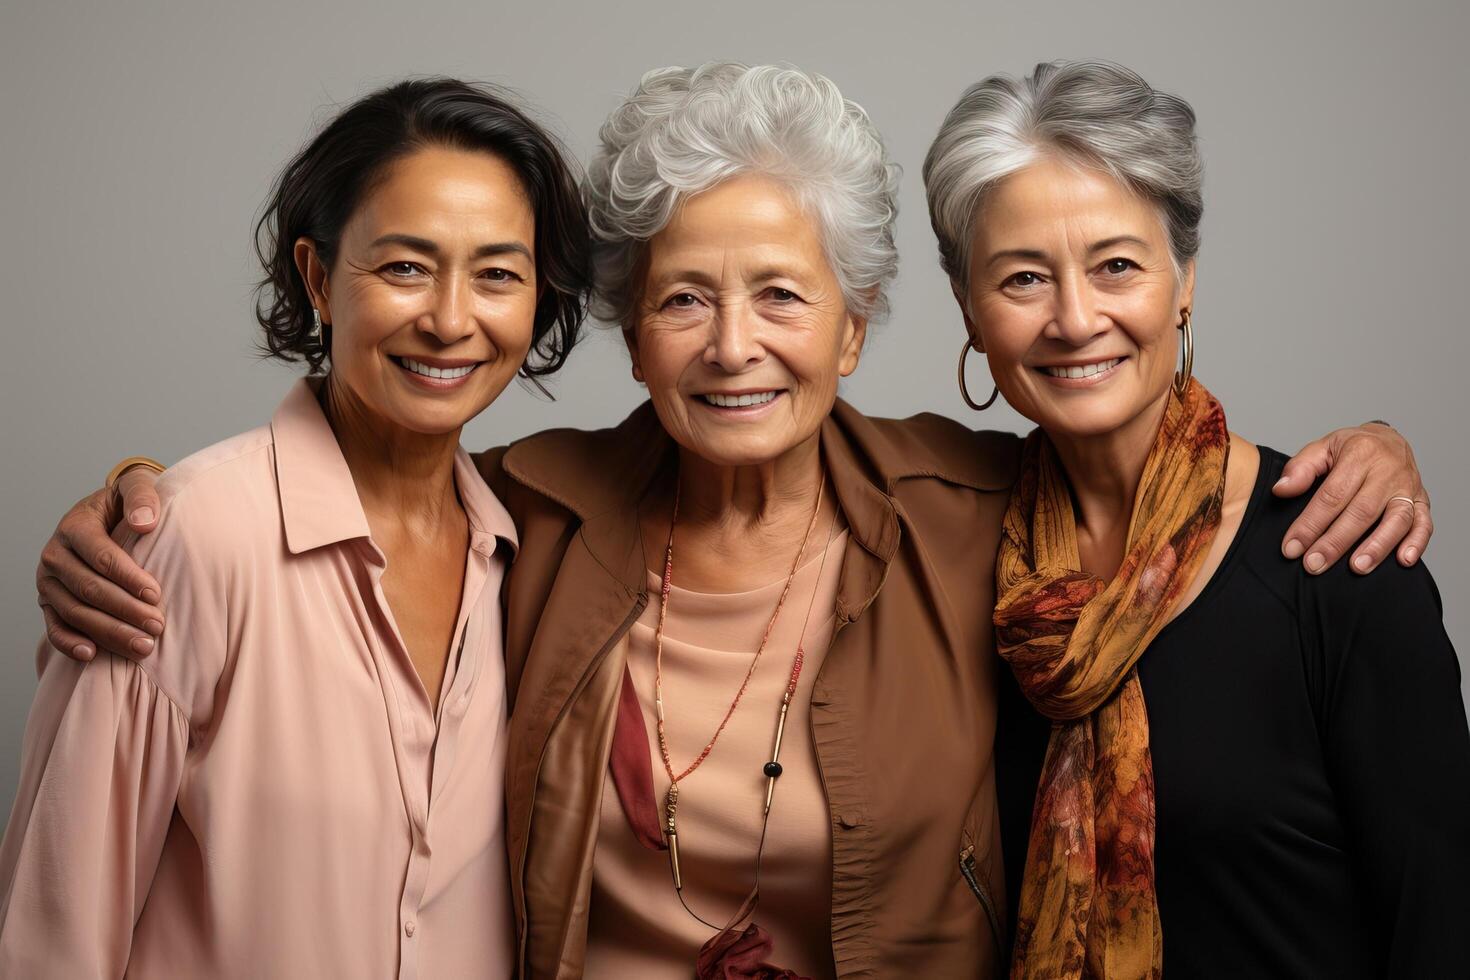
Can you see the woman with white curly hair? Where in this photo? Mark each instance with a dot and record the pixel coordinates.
(748, 630)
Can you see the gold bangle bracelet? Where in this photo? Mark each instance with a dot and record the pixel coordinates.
(127, 464)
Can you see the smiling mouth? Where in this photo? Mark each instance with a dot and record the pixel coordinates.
(752, 399)
(1079, 371)
(432, 372)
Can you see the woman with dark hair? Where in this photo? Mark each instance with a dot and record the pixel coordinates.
(306, 779)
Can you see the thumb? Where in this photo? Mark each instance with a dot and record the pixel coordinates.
(1304, 469)
(140, 503)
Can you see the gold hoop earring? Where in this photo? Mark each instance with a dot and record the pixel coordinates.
(965, 392)
(1181, 379)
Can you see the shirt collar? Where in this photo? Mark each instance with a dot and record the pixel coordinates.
(319, 501)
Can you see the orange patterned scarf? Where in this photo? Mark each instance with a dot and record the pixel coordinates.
(1088, 907)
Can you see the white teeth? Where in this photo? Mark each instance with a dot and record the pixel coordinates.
(1083, 370)
(433, 372)
(739, 401)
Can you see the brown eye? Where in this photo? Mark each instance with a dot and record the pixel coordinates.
(782, 295)
(1116, 267)
(681, 300)
(402, 270)
(1023, 279)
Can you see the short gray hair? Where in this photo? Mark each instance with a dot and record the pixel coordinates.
(685, 130)
(1101, 114)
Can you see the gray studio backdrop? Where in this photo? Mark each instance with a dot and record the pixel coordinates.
(139, 140)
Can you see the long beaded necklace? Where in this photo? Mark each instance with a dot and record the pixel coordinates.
(772, 769)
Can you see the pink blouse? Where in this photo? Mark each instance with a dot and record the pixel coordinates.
(271, 793)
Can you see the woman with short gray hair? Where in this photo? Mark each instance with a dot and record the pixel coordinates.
(1232, 766)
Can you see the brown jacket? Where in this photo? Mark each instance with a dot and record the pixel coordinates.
(903, 710)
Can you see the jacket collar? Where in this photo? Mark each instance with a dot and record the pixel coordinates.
(319, 501)
(601, 476)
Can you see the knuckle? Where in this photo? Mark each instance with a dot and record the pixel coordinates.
(1362, 511)
(50, 590)
(1332, 495)
(104, 561)
(55, 635)
(51, 554)
(1305, 529)
(89, 590)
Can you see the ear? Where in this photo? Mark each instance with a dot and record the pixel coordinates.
(976, 340)
(314, 274)
(1186, 288)
(854, 335)
(630, 337)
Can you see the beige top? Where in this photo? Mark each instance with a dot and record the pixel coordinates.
(270, 794)
(638, 928)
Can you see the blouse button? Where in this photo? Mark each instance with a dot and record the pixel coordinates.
(408, 928)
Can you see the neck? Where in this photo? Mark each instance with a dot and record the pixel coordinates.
(739, 526)
(400, 475)
(758, 496)
(1104, 472)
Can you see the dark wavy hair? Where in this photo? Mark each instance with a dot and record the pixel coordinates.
(320, 188)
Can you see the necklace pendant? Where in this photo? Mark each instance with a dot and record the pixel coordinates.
(671, 833)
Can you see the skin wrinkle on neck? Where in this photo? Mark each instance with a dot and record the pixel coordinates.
(404, 478)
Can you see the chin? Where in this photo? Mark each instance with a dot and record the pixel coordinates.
(1090, 417)
(738, 451)
(436, 419)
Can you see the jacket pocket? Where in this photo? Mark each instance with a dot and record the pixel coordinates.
(969, 871)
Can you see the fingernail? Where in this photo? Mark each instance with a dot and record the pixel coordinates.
(142, 645)
(1293, 549)
(1282, 482)
(149, 596)
(154, 626)
(1411, 555)
(83, 651)
(1315, 562)
(1362, 563)
(143, 515)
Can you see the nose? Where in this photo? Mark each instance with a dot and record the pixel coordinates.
(451, 318)
(1076, 319)
(734, 342)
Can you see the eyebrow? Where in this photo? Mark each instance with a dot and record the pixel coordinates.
(431, 248)
(702, 278)
(1108, 243)
(1037, 255)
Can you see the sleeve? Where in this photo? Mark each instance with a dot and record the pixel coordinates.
(1398, 750)
(103, 754)
(104, 751)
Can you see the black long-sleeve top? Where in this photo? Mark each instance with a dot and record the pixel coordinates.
(1312, 769)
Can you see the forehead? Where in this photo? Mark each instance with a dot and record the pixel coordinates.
(442, 192)
(1053, 196)
(745, 217)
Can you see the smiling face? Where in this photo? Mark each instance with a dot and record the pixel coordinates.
(1074, 299)
(741, 330)
(431, 297)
